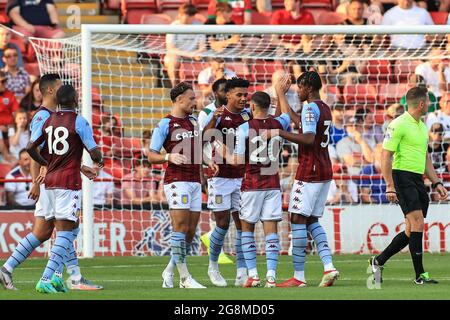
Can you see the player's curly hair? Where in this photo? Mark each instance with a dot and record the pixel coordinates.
(236, 83)
(179, 89)
(310, 79)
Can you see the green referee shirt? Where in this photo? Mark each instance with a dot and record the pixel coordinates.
(408, 139)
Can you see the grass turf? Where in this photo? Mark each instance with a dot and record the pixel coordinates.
(140, 278)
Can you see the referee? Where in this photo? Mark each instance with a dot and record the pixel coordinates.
(407, 140)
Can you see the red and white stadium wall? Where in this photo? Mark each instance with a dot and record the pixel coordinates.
(359, 229)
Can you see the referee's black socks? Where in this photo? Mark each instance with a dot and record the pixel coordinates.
(400, 241)
(415, 247)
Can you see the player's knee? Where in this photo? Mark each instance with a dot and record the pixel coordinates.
(43, 234)
(223, 222)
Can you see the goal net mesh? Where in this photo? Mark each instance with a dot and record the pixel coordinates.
(364, 78)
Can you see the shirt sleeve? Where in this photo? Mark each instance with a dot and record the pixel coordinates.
(285, 121)
(241, 137)
(159, 135)
(37, 123)
(310, 118)
(84, 130)
(204, 118)
(428, 19)
(392, 137)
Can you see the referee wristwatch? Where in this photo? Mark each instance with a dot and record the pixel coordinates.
(435, 185)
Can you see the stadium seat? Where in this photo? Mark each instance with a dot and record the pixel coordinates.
(134, 16)
(277, 4)
(329, 18)
(317, 4)
(32, 68)
(391, 93)
(264, 70)
(379, 116)
(360, 93)
(378, 71)
(241, 69)
(189, 70)
(169, 4)
(156, 18)
(4, 169)
(133, 10)
(261, 18)
(403, 68)
(439, 17)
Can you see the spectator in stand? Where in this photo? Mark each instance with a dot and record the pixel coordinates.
(416, 80)
(293, 14)
(373, 190)
(8, 105)
(35, 18)
(442, 116)
(372, 10)
(372, 132)
(291, 94)
(17, 192)
(103, 190)
(183, 46)
(337, 129)
(342, 190)
(33, 99)
(19, 135)
(353, 150)
(141, 186)
(392, 112)
(241, 10)
(18, 80)
(209, 75)
(436, 72)
(355, 16)
(220, 42)
(407, 14)
(109, 129)
(346, 71)
(436, 147)
(5, 38)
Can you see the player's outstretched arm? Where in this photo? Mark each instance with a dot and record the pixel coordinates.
(306, 139)
(281, 87)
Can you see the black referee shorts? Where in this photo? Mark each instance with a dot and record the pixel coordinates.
(411, 191)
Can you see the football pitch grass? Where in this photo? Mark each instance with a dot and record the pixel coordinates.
(139, 278)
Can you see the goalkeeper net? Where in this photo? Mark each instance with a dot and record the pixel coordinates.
(127, 74)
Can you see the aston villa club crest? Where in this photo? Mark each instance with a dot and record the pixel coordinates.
(219, 199)
(5, 101)
(184, 199)
(245, 116)
(193, 121)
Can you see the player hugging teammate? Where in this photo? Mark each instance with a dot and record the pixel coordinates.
(245, 183)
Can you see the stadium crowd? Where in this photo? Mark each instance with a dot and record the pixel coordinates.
(357, 130)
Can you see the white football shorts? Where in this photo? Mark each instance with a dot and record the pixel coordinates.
(224, 194)
(43, 209)
(65, 204)
(184, 195)
(264, 205)
(309, 198)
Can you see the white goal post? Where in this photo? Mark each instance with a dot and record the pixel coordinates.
(115, 39)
